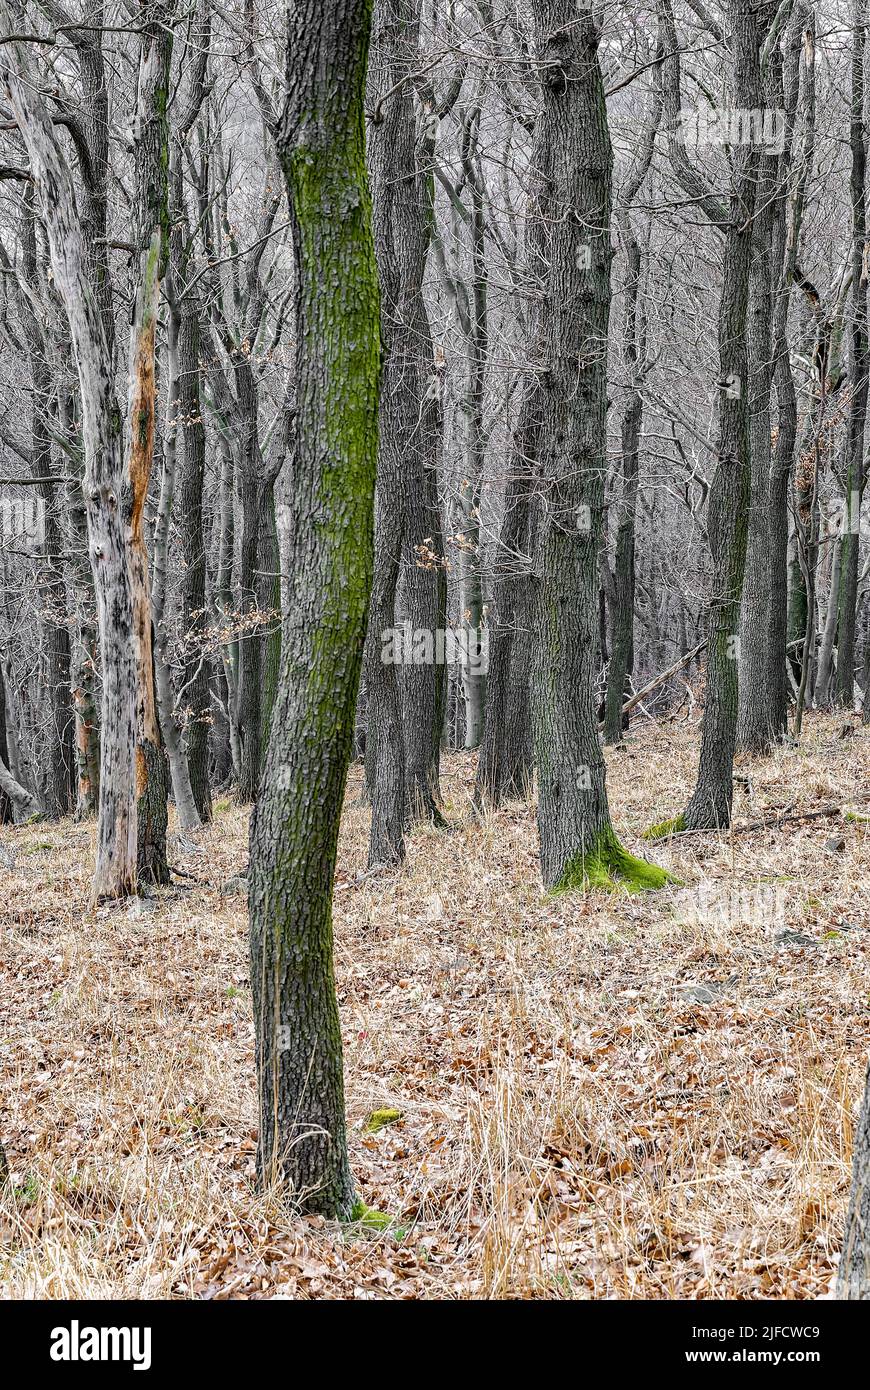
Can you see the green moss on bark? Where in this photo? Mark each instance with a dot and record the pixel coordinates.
(663, 829)
(370, 1217)
(608, 866)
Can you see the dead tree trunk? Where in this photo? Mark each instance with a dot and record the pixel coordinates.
(115, 870)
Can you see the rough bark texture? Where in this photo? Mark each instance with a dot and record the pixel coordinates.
(853, 1275)
(859, 365)
(787, 239)
(506, 765)
(59, 796)
(572, 163)
(115, 870)
(6, 813)
(754, 728)
(710, 804)
(403, 705)
(634, 352)
(295, 822)
(194, 619)
(152, 241)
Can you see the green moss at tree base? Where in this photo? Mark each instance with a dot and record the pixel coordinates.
(665, 828)
(368, 1216)
(608, 866)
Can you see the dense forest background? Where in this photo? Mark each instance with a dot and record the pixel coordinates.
(472, 393)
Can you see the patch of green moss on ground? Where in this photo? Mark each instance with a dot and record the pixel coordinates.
(371, 1218)
(379, 1118)
(665, 828)
(608, 866)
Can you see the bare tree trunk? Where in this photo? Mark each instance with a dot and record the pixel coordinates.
(788, 235)
(859, 364)
(60, 778)
(403, 696)
(151, 237)
(6, 812)
(572, 164)
(634, 353)
(182, 791)
(853, 1274)
(115, 871)
(194, 617)
(754, 729)
(710, 804)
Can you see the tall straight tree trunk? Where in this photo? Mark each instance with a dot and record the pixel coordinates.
(392, 167)
(572, 161)
(859, 365)
(249, 691)
(294, 830)
(404, 711)
(634, 353)
(115, 870)
(185, 806)
(787, 243)
(505, 768)
(92, 187)
(853, 1273)
(195, 692)
(572, 164)
(710, 804)
(822, 685)
(754, 727)
(194, 616)
(151, 234)
(474, 666)
(6, 812)
(60, 778)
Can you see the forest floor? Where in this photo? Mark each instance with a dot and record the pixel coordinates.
(601, 1096)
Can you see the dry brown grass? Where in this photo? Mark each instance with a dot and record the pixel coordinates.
(575, 1123)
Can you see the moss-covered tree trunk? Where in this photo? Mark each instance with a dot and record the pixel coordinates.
(294, 829)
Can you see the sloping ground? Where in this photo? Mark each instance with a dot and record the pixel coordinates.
(601, 1096)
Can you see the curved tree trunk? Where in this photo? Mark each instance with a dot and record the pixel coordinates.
(294, 828)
